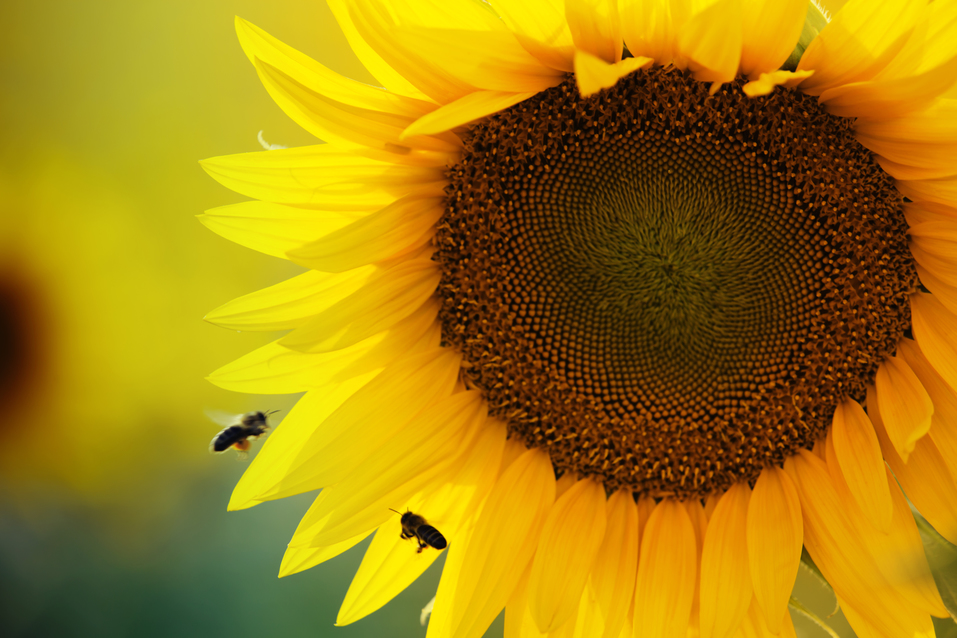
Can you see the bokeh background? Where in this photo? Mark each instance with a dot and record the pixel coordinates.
(113, 515)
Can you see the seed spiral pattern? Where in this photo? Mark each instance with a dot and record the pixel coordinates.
(669, 290)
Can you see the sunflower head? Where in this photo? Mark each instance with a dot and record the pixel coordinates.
(630, 302)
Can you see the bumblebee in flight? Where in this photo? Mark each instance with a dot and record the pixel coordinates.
(415, 526)
(240, 431)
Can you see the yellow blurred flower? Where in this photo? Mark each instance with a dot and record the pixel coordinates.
(602, 290)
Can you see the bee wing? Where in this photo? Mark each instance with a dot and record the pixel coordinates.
(224, 419)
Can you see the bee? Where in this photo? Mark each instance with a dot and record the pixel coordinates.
(414, 526)
(240, 430)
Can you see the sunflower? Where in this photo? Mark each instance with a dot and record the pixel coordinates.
(632, 301)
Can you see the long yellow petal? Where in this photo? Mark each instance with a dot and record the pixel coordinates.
(321, 177)
(937, 124)
(503, 543)
(925, 476)
(711, 43)
(390, 564)
(858, 43)
(861, 464)
(616, 566)
(464, 110)
(541, 28)
(272, 228)
(595, 27)
(594, 74)
(699, 521)
(840, 553)
(775, 538)
(340, 123)
(417, 456)
(666, 573)
(897, 551)
(755, 626)
(257, 43)
(486, 60)
(387, 298)
(567, 549)
(943, 426)
(381, 235)
(518, 619)
(393, 80)
(355, 430)
(770, 30)
(725, 576)
(882, 99)
(288, 304)
(273, 369)
(269, 464)
(940, 191)
(945, 293)
(650, 29)
(933, 330)
(905, 406)
(935, 247)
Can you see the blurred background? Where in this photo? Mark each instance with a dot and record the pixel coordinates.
(113, 515)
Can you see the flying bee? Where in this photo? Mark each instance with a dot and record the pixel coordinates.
(414, 526)
(240, 430)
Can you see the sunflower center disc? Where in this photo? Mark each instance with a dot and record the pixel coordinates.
(669, 290)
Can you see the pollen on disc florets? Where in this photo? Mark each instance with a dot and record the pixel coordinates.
(669, 290)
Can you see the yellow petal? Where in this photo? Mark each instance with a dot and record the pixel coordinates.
(301, 422)
(464, 110)
(711, 43)
(594, 74)
(321, 177)
(699, 521)
(387, 298)
(326, 450)
(390, 563)
(415, 457)
(775, 538)
(541, 28)
(767, 82)
(616, 566)
(897, 551)
(943, 425)
(941, 191)
(725, 576)
(905, 406)
(861, 464)
(272, 228)
(920, 212)
(937, 124)
(888, 98)
(934, 245)
(651, 29)
(945, 293)
(289, 304)
(389, 77)
(645, 507)
(840, 553)
(298, 559)
(497, 553)
(754, 625)
(770, 31)
(666, 573)
(570, 540)
(258, 44)
(933, 330)
(274, 369)
(595, 28)
(381, 235)
(518, 619)
(858, 42)
(924, 477)
(486, 60)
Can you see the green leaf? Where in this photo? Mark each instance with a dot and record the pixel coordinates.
(796, 605)
(942, 557)
(815, 21)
